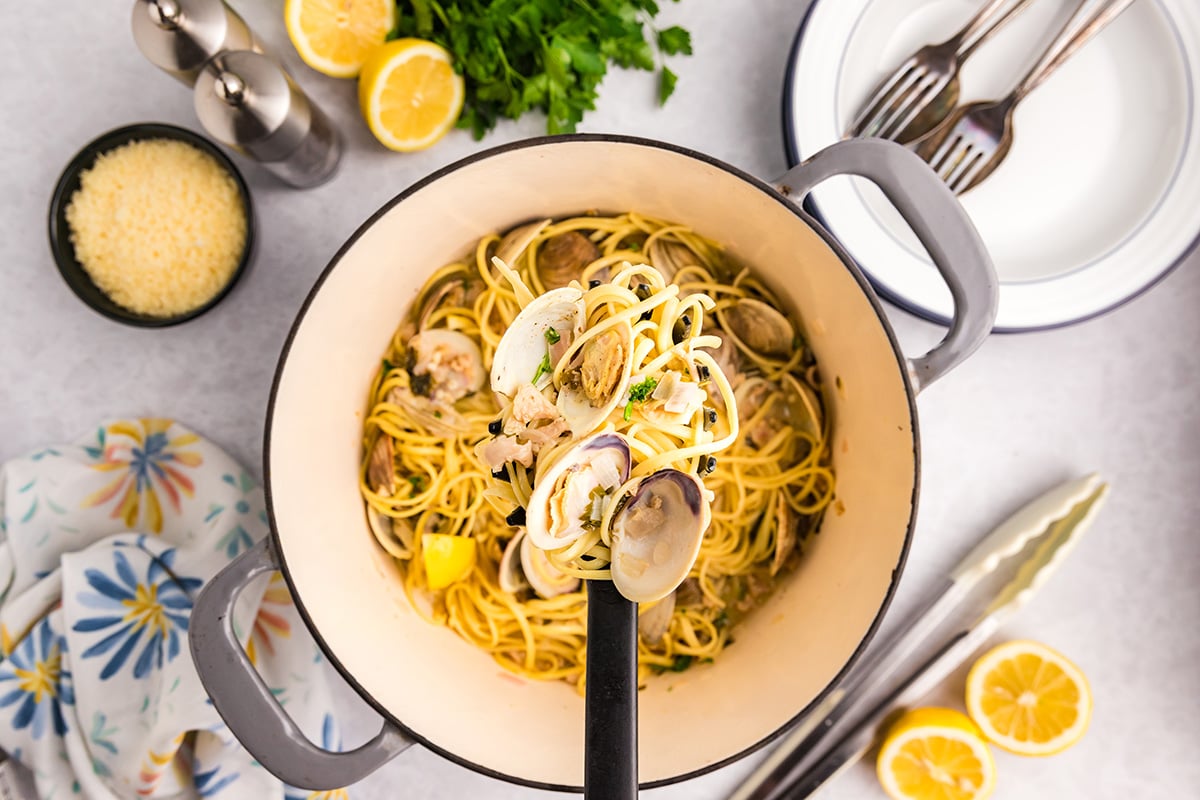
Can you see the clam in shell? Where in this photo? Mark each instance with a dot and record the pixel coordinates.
(656, 534)
(524, 347)
(570, 497)
(760, 327)
(525, 565)
(597, 380)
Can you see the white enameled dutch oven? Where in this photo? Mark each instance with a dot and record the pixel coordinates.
(433, 688)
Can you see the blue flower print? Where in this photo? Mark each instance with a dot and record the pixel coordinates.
(210, 782)
(153, 608)
(42, 686)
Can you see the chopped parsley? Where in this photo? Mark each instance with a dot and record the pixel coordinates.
(417, 482)
(552, 336)
(589, 520)
(681, 663)
(542, 369)
(639, 393)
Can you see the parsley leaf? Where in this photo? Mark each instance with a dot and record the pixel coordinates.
(517, 56)
(681, 663)
(675, 40)
(638, 393)
(542, 369)
(552, 336)
(666, 85)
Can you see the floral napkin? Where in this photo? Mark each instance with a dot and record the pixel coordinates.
(104, 545)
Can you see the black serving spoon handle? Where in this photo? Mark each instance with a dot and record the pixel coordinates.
(610, 723)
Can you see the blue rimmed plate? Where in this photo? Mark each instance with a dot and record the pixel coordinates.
(1097, 200)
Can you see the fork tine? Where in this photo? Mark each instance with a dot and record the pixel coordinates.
(948, 145)
(970, 157)
(967, 177)
(883, 110)
(913, 106)
(872, 106)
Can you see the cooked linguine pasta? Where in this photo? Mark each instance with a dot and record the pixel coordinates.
(449, 467)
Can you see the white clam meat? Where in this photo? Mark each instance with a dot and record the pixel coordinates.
(571, 495)
(446, 365)
(524, 348)
(598, 380)
(656, 534)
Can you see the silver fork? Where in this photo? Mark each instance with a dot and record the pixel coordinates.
(923, 90)
(968, 146)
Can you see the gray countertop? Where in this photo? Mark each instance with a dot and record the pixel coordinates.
(1115, 395)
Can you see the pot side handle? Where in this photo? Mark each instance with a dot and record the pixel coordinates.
(939, 222)
(246, 704)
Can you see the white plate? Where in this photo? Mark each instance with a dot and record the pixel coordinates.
(1098, 198)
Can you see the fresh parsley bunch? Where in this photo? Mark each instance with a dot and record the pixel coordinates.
(520, 55)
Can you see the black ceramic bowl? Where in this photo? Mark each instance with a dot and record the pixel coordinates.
(60, 233)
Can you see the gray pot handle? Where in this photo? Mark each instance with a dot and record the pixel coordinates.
(937, 219)
(246, 704)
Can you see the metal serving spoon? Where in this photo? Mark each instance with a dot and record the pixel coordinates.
(975, 139)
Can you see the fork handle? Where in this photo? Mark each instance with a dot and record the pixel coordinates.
(941, 225)
(1091, 17)
(987, 21)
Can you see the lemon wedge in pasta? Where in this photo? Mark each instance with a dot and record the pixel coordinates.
(448, 559)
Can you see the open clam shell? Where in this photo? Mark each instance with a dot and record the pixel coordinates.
(656, 534)
(762, 328)
(447, 364)
(524, 565)
(571, 496)
(524, 346)
(804, 406)
(604, 372)
(514, 243)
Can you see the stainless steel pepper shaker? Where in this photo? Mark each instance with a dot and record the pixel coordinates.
(179, 36)
(249, 102)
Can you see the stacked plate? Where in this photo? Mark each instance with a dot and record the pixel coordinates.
(1097, 200)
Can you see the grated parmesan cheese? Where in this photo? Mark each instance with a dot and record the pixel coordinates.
(158, 225)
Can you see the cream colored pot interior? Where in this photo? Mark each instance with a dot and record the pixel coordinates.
(455, 697)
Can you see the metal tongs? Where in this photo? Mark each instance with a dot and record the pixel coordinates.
(806, 758)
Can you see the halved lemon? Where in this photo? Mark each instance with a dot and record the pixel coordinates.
(448, 559)
(335, 37)
(1029, 699)
(410, 94)
(935, 754)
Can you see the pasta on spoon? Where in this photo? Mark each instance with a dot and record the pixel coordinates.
(605, 423)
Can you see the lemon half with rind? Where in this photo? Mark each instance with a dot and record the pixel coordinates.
(935, 754)
(1029, 699)
(335, 37)
(410, 94)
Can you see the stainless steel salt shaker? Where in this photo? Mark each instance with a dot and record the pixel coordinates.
(249, 102)
(179, 36)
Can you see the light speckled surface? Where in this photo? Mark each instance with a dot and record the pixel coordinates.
(1116, 394)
